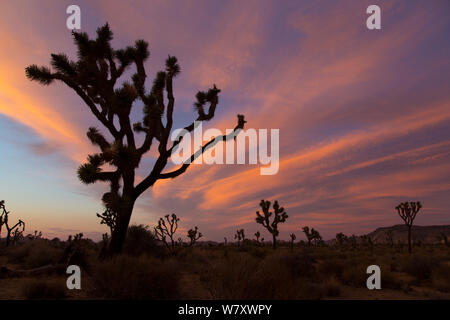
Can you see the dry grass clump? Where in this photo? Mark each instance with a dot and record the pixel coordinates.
(43, 289)
(128, 277)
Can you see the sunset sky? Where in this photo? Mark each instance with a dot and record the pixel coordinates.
(364, 115)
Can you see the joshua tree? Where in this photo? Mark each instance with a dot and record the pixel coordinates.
(4, 220)
(293, 237)
(240, 236)
(162, 229)
(279, 214)
(193, 235)
(96, 77)
(408, 211)
(225, 241)
(257, 235)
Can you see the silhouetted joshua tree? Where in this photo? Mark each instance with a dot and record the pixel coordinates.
(194, 235)
(163, 230)
(4, 221)
(279, 216)
(312, 235)
(408, 211)
(293, 237)
(341, 239)
(97, 78)
(240, 236)
(257, 235)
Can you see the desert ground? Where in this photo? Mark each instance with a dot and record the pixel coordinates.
(35, 269)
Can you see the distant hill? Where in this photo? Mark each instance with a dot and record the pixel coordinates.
(424, 234)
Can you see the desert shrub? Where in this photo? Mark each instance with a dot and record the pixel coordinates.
(143, 277)
(41, 289)
(230, 278)
(34, 254)
(330, 288)
(441, 278)
(257, 252)
(390, 280)
(420, 267)
(140, 240)
(299, 264)
(333, 267)
(354, 273)
(193, 258)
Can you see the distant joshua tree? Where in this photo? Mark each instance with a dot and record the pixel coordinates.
(163, 230)
(257, 235)
(240, 236)
(341, 239)
(194, 235)
(312, 235)
(408, 211)
(4, 221)
(36, 235)
(279, 216)
(96, 77)
(293, 237)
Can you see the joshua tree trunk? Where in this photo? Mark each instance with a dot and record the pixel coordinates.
(120, 231)
(274, 241)
(409, 240)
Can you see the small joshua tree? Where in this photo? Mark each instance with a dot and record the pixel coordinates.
(163, 230)
(257, 235)
(240, 236)
(341, 239)
(193, 235)
(225, 241)
(4, 220)
(293, 237)
(312, 235)
(279, 216)
(408, 211)
(308, 235)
